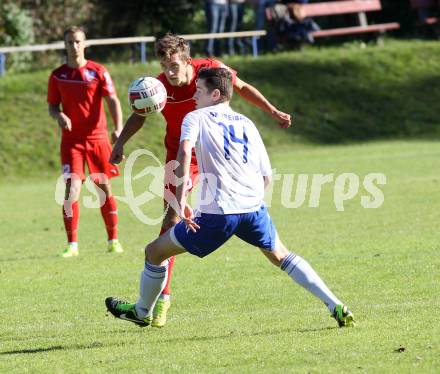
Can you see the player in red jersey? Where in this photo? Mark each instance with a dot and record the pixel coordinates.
(179, 72)
(78, 87)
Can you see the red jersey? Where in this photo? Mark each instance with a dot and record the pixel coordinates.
(180, 102)
(80, 92)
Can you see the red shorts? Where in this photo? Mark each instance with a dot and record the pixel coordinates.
(95, 153)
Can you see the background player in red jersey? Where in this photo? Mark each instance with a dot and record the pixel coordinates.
(79, 87)
(179, 74)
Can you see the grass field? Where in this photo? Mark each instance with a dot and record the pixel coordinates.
(233, 312)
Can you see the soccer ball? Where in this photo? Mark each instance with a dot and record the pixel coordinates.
(147, 95)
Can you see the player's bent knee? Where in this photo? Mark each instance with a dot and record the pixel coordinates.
(149, 253)
(152, 253)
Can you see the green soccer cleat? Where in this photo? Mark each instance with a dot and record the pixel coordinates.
(114, 246)
(343, 316)
(123, 310)
(160, 313)
(70, 251)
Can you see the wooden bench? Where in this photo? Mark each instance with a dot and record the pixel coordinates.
(331, 8)
(425, 10)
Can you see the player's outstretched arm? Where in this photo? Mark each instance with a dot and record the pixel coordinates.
(132, 126)
(114, 106)
(255, 97)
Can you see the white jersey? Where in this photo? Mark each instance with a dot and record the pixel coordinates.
(231, 157)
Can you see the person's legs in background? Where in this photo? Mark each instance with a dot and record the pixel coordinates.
(233, 12)
(214, 12)
(240, 14)
(236, 13)
(269, 42)
(223, 14)
(208, 15)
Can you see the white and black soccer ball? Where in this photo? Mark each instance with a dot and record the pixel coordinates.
(147, 95)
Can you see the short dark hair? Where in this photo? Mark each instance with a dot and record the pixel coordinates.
(171, 44)
(217, 78)
(73, 30)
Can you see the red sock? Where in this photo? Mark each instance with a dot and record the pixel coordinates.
(167, 289)
(71, 219)
(109, 212)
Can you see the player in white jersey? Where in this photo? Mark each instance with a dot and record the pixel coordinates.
(234, 170)
(232, 179)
